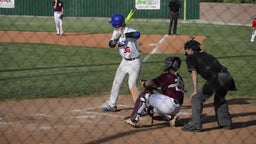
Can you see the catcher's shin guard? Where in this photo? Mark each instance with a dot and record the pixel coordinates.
(140, 106)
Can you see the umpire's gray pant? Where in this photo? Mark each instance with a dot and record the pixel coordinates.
(219, 88)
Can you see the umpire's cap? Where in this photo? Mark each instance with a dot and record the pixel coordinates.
(193, 44)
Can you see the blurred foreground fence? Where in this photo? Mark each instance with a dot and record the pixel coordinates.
(52, 87)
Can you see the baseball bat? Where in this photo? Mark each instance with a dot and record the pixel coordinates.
(130, 15)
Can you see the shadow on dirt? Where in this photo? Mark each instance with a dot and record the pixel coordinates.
(235, 125)
(234, 101)
(126, 133)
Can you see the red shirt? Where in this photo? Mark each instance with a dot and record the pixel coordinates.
(254, 23)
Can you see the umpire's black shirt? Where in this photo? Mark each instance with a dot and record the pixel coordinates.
(205, 64)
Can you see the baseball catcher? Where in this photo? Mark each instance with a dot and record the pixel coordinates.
(163, 94)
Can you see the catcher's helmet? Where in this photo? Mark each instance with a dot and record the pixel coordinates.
(117, 20)
(193, 44)
(172, 63)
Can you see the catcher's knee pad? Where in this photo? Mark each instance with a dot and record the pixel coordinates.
(145, 97)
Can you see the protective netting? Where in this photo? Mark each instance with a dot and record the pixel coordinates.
(52, 87)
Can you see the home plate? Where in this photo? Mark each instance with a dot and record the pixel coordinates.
(152, 44)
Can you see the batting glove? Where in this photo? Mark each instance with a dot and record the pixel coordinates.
(122, 43)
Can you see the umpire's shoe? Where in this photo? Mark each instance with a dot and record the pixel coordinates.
(108, 108)
(190, 128)
(129, 121)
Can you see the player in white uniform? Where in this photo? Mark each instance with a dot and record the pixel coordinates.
(58, 16)
(126, 40)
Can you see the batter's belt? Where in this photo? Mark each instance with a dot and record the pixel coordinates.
(131, 59)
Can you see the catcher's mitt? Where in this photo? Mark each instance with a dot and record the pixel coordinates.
(61, 16)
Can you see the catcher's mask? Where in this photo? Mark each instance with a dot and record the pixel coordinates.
(172, 63)
(117, 20)
(193, 44)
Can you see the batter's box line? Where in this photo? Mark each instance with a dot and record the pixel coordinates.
(99, 107)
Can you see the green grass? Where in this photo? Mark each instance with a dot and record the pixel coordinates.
(41, 70)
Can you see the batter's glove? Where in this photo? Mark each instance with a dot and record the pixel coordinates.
(122, 43)
(61, 16)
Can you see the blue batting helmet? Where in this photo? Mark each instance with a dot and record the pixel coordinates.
(117, 20)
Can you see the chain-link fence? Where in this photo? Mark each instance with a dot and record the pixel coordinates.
(52, 87)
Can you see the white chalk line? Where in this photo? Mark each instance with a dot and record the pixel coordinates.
(155, 49)
(97, 107)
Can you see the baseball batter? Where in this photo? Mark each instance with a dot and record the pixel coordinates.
(126, 40)
(253, 29)
(58, 16)
(168, 99)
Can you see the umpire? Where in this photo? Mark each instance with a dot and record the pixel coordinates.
(218, 83)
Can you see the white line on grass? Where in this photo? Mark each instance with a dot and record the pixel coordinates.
(156, 48)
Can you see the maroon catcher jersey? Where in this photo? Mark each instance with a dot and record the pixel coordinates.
(171, 85)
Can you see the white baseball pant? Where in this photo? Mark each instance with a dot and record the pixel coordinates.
(58, 22)
(163, 104)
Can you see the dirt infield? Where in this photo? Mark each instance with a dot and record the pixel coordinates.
(147, 43)
(80, 120)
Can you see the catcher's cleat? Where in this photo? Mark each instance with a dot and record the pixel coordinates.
(173, 121)
(130, 122)
(108, 108)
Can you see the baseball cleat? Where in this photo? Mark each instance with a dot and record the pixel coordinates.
(129, 122)
(226, 127)
(108, 108)
(173, 121)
